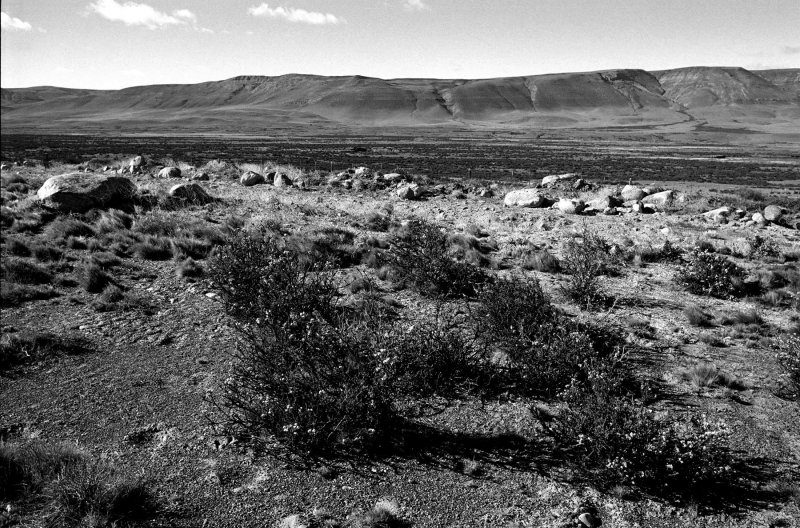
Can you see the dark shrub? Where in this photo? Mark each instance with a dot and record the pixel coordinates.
(12, 294)
(194, 248)
(68, 226)
(789, 358)
(420, 254)
(92, 278)
(112, 221)
(541, 260)
(46, 253)
(25, 272)
(154, 248)
(188, 268)
(18, 248)
(707, 273)
(696, 316)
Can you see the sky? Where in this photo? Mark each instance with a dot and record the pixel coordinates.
(109, 44)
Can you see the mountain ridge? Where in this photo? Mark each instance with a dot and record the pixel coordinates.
(761, 100)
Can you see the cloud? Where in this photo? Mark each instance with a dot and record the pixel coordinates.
(9, 23)
(293, 14)
(416, 5)
(133, 14)
(790, 50)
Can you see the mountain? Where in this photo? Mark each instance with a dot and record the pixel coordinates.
(679, 99)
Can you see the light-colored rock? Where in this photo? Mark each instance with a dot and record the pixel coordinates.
(631, 192)
(549, 180)
(774, 213)
(199, 176)
(570, 206)
(136, 164)
(362, 172)
(526, 198)
(169, 172)
(409, 191)
(652, 189)
(250, 178)
(718, 215)
(661, 198)
(190, 193)
(282, 180)
(4, 166)
(78, 192)
(604, 202)
(392, 177)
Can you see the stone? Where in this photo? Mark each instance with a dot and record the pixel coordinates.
(4, 166)
(362, 172)
(282, 180)
(549, 180)
(169, 172)
(458, 194)
(774, 213)
(526, 198)
(77, 192)
(409, 191)
(718, 215)
(190, 193)
(392, 177)
(136, 164)
(605, 202)
(199, 176)
(631, 192)
(660, 198)
(570, 206)
(250, 178)
(483, 192)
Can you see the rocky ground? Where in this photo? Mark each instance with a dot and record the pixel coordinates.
(137, 394)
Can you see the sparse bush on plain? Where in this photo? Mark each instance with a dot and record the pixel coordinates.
(586, 258)
(707, 273)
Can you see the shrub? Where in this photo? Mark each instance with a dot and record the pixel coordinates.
(750, 316)
(28, 468)
(92, 278)
(154, 248)
(703, 375)
(189, 268)
(618, 441)
(25, 272)
(112, 221)
(68, 226)
(12, 294)
(707, 273)
(18, 248)
(419, 253)
(376, 221)
(45, 253)
(194, 248)
(585, 259)
(17, 349)
(696, 316)
(541, 260)
(763, 248)
(331, 245)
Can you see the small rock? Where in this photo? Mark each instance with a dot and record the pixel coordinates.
(250, 178)
(169, 172)
(202, 360)
(774, 213)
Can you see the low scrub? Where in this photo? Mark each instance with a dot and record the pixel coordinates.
(64, 227)
(586, 259)
(706, 273)
(704, 375)
(420, 253)
(20, 271)
(697, 317)
(541, 260)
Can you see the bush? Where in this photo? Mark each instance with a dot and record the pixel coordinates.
(304, 374)
(154, 248)
(65, 227)
(92, 278)
(696, 316)
(703, 375)
(112, 221)
(18, 248)
(45, 253)
(25, 272)
(420, 254)
(12, 294)
(616, 440)
(542, 261)
(189, 269)
(585, 259)
(18, 349)
(707, 273)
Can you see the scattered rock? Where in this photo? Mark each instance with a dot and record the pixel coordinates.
(169, 172)
(199, 176)
(190, 193)
(281, 180)
(549, 180)
(718, 215)
(409, 191)
(136, 164)
(78, 192)
(605, 202)
(4, 166)
(392, 177)
(660, 198)
(526, 198)
(570, 205)
(250, 178)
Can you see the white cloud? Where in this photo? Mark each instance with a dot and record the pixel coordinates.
(293, 14)
(416, 5)
(9, 23)
(134, 14)
(790, 50)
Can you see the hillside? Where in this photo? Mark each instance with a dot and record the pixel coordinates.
(687, 97)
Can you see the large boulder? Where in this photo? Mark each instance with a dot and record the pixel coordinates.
(570, 206)
(526, 198)
(759, 219)
(605, 202)
(550, 180)
(190, 193)
(392, 177)
(662, 198)
(282, 180)
(250, 178)
(77, 192)
(632, 193)
(774, 213)
(169, 172)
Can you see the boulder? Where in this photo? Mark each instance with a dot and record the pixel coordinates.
(169, 172)
(77, 192)
(631, 192)
(570, 206)
(300, 183)
(361, 172)
(550, 180)
(392, 177)
(199, 176)
(483, 192)
(136, 164)
(759, 218)
(458, 194)
(652, 189)
(281, 180)
(409, 191)
(774, 213)
(526, 198)
(605, 202)
(250, 178)
(190, 193)
(718, 215)
(4, 166)
(660, 198)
